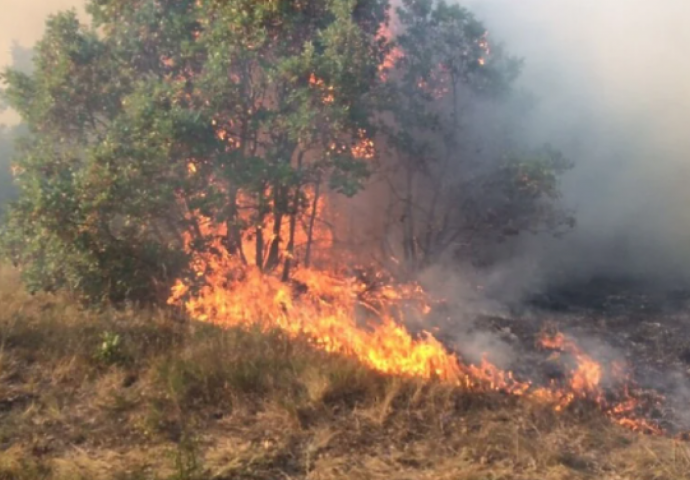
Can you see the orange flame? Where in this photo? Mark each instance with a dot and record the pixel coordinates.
(236, 295)
(342, 314)
(585, 383)
(338, 311)
(364, 146)
(328, 96)
(391, 58)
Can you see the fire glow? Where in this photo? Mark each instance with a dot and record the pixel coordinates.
(344, 314)
(341, 314)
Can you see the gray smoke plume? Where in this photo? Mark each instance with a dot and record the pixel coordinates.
(612, 79)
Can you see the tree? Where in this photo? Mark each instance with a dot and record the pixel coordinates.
(171, 125)
(164, 110)
(7, 190)
(21, 60)
(459, 177)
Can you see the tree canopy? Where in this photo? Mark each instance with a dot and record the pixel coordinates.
(245, 112)
(7, 190)
(460, 178)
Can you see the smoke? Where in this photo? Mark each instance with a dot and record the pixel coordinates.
(612, 81)
(21, 60)
(22, 24)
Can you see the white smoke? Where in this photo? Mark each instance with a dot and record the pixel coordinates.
(613, 82)
(22, 22)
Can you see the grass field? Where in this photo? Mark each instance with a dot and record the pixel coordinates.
(145, 395)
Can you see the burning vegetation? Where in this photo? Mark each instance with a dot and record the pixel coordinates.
(360, 318)
(131, 393)
(213, 165)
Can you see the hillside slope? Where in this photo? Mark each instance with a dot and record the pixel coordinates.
(143, 395)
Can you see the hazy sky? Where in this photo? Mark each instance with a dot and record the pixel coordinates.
(23, 21)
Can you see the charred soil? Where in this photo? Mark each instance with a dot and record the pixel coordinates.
(643, 325)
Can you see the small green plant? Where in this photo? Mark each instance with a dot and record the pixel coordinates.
(110, 349)
(186, 459)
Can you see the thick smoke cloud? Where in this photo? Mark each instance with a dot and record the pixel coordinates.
(613, 83)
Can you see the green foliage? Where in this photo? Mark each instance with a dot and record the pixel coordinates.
(7, 188)
(237, 110)
(186, 461)
(116, 113)
(109, 351)
(21, 60)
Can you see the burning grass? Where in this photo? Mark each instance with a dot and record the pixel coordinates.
(142, 395)
(364, 319)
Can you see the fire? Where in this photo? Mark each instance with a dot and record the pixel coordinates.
(360, 316)
(340, 309)
(389, 62)
(328, 96)
(364, 146)
(485, 48)
(587, 376)
(585, 383)
(327, 312)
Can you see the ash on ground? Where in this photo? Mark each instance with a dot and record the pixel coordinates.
(612, 320)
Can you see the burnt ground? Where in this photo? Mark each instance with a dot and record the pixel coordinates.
(645, 325)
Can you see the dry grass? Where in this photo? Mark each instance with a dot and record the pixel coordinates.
(134, 395)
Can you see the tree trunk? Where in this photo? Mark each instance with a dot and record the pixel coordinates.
(279, 209)
(233, 240)
(312, 219)
(293, 220)
(260, 234)
(291, 238)
(409, 246)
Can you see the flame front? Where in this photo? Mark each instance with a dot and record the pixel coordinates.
(326, 312)
(341, 314)
(585, 382)
(324, 301)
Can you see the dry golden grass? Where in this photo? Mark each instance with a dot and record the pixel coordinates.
(139, 395)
